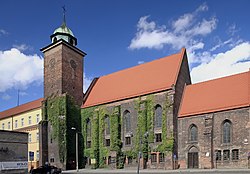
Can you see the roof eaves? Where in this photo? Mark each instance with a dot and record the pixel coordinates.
(190, 114)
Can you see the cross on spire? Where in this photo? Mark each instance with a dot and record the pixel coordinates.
(64, 16)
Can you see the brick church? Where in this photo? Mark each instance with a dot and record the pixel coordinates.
(150, 115)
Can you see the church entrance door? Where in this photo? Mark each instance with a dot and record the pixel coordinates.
(193, 158)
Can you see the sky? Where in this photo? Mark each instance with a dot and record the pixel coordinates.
(118, 34)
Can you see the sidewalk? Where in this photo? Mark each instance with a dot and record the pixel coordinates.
(148, 171)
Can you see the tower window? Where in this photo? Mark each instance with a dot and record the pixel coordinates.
(218, 155)
(88, 128)
(54, 40)
(107, 142)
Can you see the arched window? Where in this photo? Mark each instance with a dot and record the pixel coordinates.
(88, 122)
(107, 125)
(158, 116)
(226, 131)
(127, 121)
(193, 133)
(54, 40)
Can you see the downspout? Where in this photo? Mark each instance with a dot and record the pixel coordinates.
(212, 143)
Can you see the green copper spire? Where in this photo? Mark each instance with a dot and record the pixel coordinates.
(63, 32)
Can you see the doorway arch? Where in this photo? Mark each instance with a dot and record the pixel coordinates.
(193, 158)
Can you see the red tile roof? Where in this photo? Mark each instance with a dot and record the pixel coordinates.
(216, 95)
(143, 79)
(22, 108)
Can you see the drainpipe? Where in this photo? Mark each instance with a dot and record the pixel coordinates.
(212, 143)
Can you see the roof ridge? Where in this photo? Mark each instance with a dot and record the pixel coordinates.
(227, 76)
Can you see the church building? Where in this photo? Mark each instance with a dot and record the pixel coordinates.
(149, 115)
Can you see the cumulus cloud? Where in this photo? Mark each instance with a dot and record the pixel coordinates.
(22, 47)
(6, 97)
(185, 31)
(233, 61)
(86, 82)
(19, 70)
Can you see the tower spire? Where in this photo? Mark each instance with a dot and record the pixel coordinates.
(64, 16)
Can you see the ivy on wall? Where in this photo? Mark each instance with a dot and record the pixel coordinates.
(145, 123)
(63, 114)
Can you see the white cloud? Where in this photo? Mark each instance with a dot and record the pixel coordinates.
(6, 97)
(19, 70)
(3, 32)
(22, 47)
(185, 31)
(223, 64)
(86, 82)
(140, 62)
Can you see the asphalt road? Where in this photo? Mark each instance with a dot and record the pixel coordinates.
(149, 171)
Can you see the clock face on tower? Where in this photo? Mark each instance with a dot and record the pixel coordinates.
(73, 64)
(52, 63)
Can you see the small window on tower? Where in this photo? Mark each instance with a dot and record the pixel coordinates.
(54, 40)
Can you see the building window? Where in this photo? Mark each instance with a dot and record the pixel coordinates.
(107, 125)
(127, 120)
(88, 144)
(37, 155)
(193, 133)
(218, 155)
(158, 137)
(88, 122)
(37, 136)
(161, 157)
(153, 158)
(226, 131)
(235, 154)
(22, 121)
(2, 126)
(130, 160)
(107, 142)
(8, 125)
(29, 138)
(226, 155)
(15, 123)
(52, 160)
(37, 118)
(29, 119)
(158, 116)
(127, 140)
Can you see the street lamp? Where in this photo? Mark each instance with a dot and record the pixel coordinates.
(73, 128)
(140, 153)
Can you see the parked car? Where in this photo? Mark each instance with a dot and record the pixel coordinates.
(46, 170)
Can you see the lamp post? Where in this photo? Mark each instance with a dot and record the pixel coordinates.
(140, 153)
(73, 128)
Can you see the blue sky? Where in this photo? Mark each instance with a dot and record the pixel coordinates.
(118, 34)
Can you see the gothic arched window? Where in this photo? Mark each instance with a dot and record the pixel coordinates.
(107, 125)
(127, 121)
(88, 130)
(158, 116)
(193, 133)
(226, 131)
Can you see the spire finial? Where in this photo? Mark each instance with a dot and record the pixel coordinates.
(64, 12)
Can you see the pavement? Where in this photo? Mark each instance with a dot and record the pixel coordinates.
(149, 171)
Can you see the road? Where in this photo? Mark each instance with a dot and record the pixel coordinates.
(148, 171)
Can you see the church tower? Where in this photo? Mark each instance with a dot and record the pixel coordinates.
(63, 95)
